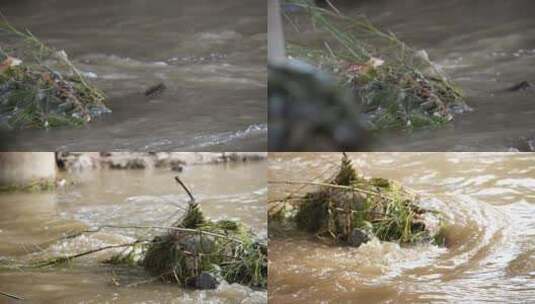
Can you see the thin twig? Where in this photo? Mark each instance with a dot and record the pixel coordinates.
(74, 256)
(186, 189)
(329, 49)
(328, 185)
(176, 229)
(144, 282)
(11, 295)
(333, 7)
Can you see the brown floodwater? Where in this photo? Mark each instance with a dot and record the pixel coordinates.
(29, 222)
(211, 55)
(488, 200)
(485, 46)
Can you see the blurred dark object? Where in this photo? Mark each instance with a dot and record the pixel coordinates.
(523, 144)
(309, 112)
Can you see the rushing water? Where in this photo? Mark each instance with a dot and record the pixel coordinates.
(30, 221)
(485, 46)
(210, 55)
(488, 199)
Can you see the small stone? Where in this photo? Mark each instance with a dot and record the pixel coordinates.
(358, 237)
(205, 280)
(177, 167)
(524, 85)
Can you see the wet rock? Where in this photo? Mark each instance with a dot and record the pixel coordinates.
(177, 167)
(155, 90)
(136, 163)
(205, 280)
(524, 144)
(358, 237)
(77, 161)
(175, 161)
(522, 86)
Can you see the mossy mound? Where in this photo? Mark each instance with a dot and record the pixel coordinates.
(395, 86)
(34, 186)
(200, 252)
(40, 87)
(351, 210)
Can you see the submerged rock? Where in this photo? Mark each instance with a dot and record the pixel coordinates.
(205, 280)
(524, 144)
(358, 237)
(522, 86)
(155, 90)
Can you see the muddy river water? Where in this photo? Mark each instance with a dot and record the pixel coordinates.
(211, 55)
(29, 221)
(488, 199)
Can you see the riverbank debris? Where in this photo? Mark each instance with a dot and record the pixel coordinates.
(40, 87)
(194, 252)
(395, 86)
(351, 210)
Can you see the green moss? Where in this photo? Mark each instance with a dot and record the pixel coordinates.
(346, 175)
(193, 218)
(35, 186)
(380, 182)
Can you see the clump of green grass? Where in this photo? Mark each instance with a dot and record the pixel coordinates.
(46, 90)
(378, 206)
(224, 248)
(35, 186)
(397, 86)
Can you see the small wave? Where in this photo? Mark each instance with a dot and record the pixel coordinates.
(226, 137)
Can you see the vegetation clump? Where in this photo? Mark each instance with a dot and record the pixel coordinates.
(349, 209)
(40, 87)
(194, 252)
(34, 186)
(201, 250)
(395, 86)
